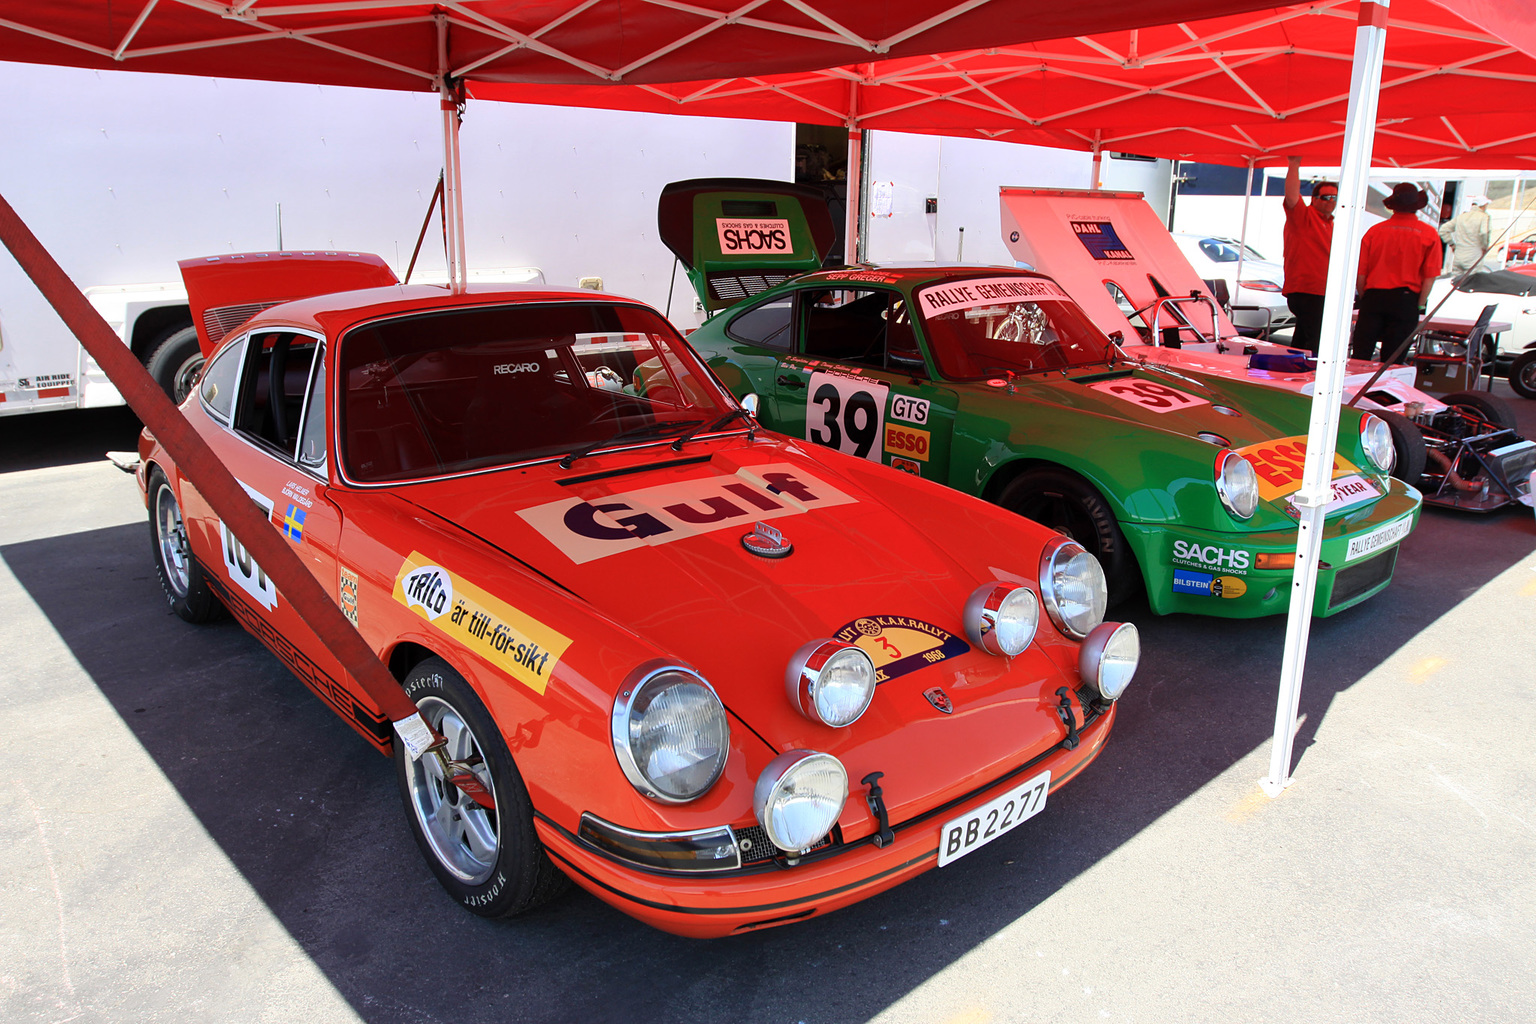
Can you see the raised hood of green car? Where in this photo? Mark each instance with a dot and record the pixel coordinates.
(741, 236)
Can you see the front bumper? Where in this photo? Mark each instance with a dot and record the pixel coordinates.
(1226, 587)
(774, 892)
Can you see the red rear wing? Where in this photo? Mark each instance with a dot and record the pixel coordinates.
(226, 291)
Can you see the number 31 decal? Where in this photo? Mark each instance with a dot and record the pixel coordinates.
(1156, 397)
(846, 414)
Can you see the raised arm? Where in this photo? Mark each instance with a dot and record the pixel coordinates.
(1292, 181)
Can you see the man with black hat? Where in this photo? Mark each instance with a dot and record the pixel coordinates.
(1399, 260)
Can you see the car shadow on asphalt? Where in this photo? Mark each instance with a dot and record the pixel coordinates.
(65, 437)
(310, 815)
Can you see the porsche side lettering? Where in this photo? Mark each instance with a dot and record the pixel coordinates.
(589, 529)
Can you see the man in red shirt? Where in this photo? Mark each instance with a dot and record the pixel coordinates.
(1399, 260)
(1308, 236)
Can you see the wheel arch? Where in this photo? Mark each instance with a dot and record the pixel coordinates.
(150, 326)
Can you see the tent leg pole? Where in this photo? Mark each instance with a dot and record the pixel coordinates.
(854, 183)
(1242, 240)
(1322, 433)
(1096, 174)
(452, 92)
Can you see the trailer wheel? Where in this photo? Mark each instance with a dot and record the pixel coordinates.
(175, 361)
(1407, 444)
(1522, 375)
(1497, 413)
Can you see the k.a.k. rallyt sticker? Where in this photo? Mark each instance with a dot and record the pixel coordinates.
(898, 645)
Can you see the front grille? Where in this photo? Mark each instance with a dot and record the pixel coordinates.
(1355, 580)
(756, 847)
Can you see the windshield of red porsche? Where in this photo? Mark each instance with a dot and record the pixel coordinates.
(985, 326)
(456, 390)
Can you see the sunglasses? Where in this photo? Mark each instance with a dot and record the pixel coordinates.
(1331, 197)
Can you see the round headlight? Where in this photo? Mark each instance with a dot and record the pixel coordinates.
(1108, 658)
(1072, 586)
(1236, 484)
(830, 682)
(670, 733)
(1376, 438)
(799, 797)
(1000, 618)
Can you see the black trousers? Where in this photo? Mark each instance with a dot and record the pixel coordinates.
(1308, 310)
(1387, 315)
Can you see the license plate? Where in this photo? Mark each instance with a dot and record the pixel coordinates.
(978, 828)
(1381, 537)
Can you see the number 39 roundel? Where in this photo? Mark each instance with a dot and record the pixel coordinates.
(847, 414)
(1156, 397)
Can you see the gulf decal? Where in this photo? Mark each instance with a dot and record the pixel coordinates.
(898, 645)
(987, 291)
(588, 529)
(754, 237)
(1148, 394)
(520, 645)
(1278, 465)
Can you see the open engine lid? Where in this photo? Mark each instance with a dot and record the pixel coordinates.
(226, 291)
(1088, 240)
(741, 236)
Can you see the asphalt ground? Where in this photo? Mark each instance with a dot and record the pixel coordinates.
(187, 834)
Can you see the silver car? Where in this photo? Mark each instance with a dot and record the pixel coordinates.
(1255, 302)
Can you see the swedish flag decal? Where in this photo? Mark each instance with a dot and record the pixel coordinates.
(293, 524)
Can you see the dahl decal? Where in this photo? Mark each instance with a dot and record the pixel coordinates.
(898, 645)
(1101, 240)
(522, 646)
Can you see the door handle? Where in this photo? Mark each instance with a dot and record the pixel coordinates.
(790, 382)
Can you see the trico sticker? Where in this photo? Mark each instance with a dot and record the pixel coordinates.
(1278, 465)
(241, 567)
(349, 595)
(1212, 556)
(936, 300)
(907, 441)
(520, 645)
(909, 410)
(1379, 538)
(845, 414)
(1149, 395)
(753, 237)
(898, 645)
(614, 523)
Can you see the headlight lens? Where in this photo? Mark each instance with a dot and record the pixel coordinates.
(1376, 437)
(1072, 586)
(670, 733)
(1236, 484)
(1001, 618)
(830, 682)
(1108, 658)
(799, 797)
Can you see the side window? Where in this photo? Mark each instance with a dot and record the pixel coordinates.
(217, 387)
(766, 324)
(312, 438)
(273, 387)
(868, 326)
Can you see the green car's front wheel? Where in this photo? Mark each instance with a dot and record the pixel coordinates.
(1065, 502)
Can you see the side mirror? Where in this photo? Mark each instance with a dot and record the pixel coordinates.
(749, 403)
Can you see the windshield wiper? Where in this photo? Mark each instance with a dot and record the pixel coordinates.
(624, 435)
(719, 424)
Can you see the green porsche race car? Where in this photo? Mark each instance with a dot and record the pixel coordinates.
(992, 380)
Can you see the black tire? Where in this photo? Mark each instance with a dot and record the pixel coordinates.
(1522, 374)
(181, 576)
(175, 361)
(1489, 408)
(489, 860)
(1065, 502)
(1408, 444)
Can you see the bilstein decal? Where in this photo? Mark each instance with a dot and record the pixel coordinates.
(520, 645)
(611, 524)
(898, 645)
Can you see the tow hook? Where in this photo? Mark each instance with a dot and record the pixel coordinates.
(876, 800)
(1064, 711)
(461, 774)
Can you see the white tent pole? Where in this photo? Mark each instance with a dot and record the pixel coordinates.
(1242, 236)
(453, 194)
(852, 179)
(1098, 161)
(1316, 486)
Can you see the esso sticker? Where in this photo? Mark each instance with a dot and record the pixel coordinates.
(751, 237)
(847, 414)
(1156, 397)
(906, 441)
(912, 410)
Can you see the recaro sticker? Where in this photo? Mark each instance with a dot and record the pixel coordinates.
(585, 530)
(1149, 394)
(898, 645)
(846, 413)
(752, 237)
(519, 644)
(1278, 465)
(240, 566)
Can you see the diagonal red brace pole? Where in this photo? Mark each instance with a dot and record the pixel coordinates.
(212, 479)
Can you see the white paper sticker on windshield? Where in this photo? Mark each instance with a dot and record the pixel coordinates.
(753, 237)
(987, 291)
